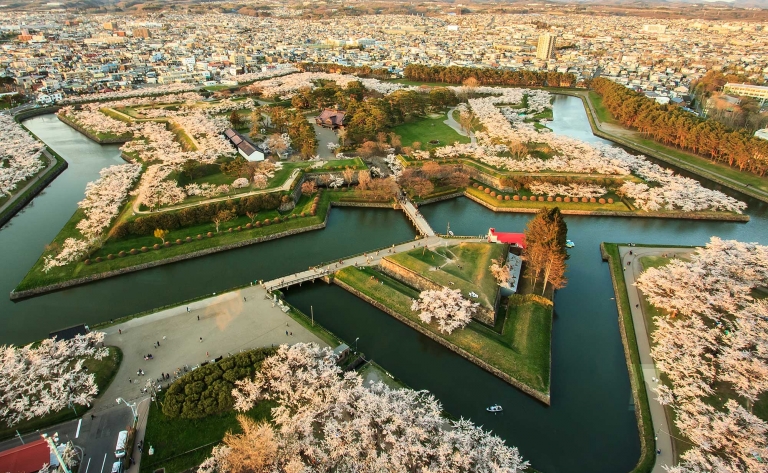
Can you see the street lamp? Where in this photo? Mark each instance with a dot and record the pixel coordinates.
(51, 441)
(358, 338)
(133, 409)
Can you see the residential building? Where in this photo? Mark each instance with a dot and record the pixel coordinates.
(546, 48)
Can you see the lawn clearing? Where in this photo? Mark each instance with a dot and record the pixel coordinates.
(429, 129)
(181, 444)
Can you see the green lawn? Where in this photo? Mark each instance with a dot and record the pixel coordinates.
(341, 164)
(105, 371)
(602, 113)
(463, 266)
(515, 352)
(426, 130)
(36, 277)
(181, 444)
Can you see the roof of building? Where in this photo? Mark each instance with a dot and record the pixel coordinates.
(246, 147)
(333, 117)
(68, 333)
(26, 458)
(511, 238)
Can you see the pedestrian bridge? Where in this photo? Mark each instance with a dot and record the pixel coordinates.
(421, 224)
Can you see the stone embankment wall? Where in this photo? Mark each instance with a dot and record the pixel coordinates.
(544, 398)
(635, 371)
(441, 198)
(413, 279)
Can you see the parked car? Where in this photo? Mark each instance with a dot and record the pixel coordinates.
(122, 439)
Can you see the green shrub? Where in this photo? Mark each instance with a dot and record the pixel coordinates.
(208, 390)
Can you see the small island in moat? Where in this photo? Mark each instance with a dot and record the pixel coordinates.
(504, 319)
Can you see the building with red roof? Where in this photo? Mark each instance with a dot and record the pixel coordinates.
(514, 239)
(27, 458)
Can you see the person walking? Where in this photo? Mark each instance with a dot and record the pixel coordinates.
(198, 318)
(201, 339)
(120, 331)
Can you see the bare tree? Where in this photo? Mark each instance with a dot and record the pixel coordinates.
(222, 216)
(363, 180)
(348, 174)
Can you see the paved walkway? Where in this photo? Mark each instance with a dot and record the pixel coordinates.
(658, 414)
(33, 182)
(366, 259)
(416, 218)
(228, 323)
(451, 122)
(286, 185)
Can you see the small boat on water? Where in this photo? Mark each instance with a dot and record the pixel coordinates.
(569, 244)
(494, 408)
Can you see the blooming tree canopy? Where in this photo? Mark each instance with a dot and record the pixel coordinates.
(327, 420)
(714, 332)
(19, 155)
(446, 306)
(38, 380)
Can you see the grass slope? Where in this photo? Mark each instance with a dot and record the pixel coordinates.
(463, 266)
(181, 444)
(37, 278)
(517, 351)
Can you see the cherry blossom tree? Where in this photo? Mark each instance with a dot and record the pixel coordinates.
(19, 155)
(38, 380)
(446, 306)
(101, 205)
(327, 420)
(713, 332)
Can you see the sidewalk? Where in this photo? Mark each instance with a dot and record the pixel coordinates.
(227, 323)
(658, 414)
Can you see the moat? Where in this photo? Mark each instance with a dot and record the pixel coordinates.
(590, 425)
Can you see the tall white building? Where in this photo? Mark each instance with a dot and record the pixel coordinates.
(546, 48)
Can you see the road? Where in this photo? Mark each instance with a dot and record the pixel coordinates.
(658, 414)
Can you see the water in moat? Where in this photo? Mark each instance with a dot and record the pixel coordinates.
(590, 425)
